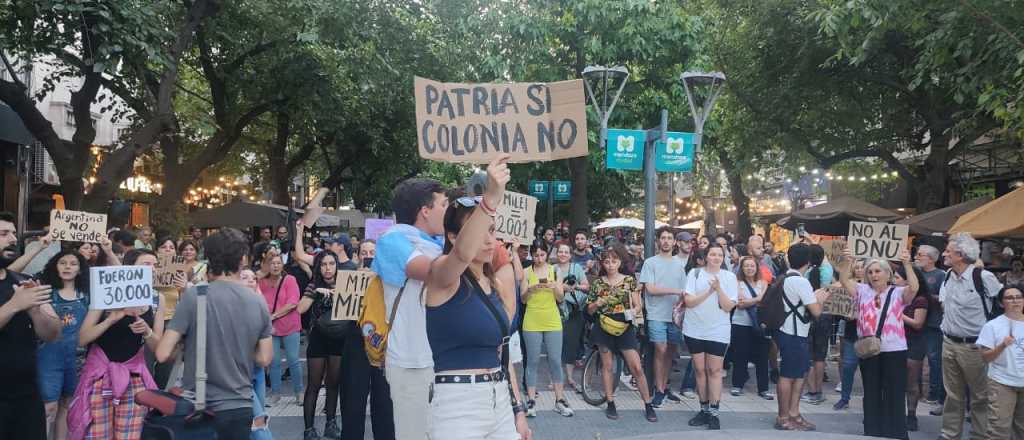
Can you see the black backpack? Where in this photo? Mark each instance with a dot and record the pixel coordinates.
(979, 287)
(775, 308)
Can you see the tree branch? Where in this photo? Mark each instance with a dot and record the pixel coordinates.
(239, 61)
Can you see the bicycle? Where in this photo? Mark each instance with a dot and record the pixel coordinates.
(592, 382)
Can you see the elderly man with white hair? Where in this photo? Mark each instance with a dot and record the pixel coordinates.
(966, 296)
(925, 259)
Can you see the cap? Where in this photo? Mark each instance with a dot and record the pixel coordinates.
(684, 236)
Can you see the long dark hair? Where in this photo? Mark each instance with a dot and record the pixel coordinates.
(922, 287)
(696, 254)
(51, 277)
(541, 245)
(454, 218)
(318, 276)
(817, 259)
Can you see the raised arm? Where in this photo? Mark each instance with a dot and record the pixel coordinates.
(912, 282)
(846, 273)
(108, 249)
(446, 269)
(298, 253)
(30, 253)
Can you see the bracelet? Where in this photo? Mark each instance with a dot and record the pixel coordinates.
(489, 213)
(149, 334)
(518, 408)
(487, 208)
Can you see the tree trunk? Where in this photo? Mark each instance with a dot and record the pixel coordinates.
(739, 198)
(277, 155)
(579, 206)
(932, 191)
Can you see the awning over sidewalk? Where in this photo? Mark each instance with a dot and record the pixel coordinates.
(12, 129)
(242, 214)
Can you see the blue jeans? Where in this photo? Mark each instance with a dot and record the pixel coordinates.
(849, 368)
(936, 391)
(535, 342)
(291, 352)
(689, 378)
(259, 397)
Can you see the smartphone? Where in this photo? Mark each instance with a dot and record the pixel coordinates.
(542, 281)
(801, 230)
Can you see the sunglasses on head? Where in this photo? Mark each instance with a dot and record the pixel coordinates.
(469, 202)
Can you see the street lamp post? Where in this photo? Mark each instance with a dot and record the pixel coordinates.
(702, 90)
(604, 79)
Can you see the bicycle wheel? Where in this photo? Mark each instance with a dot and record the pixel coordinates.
(592, 382)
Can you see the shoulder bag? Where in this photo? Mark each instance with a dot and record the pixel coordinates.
(870, 346)
(172, 416)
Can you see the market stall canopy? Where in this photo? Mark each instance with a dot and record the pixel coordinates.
(696, 224)
(834, 217)
(242, 214)
(939, 221)
(634, 223)
(1000, 218)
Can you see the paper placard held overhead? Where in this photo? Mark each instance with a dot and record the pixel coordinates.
(348, 294)
(81, 226)
(877, 240)
(516, 218)
(471, 123)
(166, 268)
(117, 287)
(375, 227)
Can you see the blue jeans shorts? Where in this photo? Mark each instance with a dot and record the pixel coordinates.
(661, 332)
(796, 355)
(58, 372)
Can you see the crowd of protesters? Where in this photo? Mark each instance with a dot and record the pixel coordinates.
(472, 316)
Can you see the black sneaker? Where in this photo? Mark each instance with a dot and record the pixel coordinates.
(610, 411)
(310, 434)
(700, 419)
(649, 413)
(912, 423)
(713, 422)
(672, 396)
(331, 430)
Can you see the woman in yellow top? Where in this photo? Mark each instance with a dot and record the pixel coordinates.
(165, 247)
(542, 327)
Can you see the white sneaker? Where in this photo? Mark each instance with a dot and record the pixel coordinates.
(689, 394)
(562, 407)
(627, 381)
(531, 408)
(839, 387)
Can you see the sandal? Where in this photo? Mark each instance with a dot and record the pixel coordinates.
(785, 424)
(804, 424)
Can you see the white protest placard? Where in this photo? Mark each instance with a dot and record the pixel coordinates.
(167, 267)
(117, 287)
(348, 294)
(471, 123)
(81, 226)
(877, 240)
(515, 219)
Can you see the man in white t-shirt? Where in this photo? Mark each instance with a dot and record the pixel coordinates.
(791, 338)
(663, 277)
(404, 254)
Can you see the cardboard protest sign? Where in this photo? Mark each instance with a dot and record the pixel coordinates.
(516, 218)
(166, 268)
(833, 249)
(471, 123)
(77, 226)
(375, 227)
(840, 303)
(117, 287)
(877, 240)
(348, 294)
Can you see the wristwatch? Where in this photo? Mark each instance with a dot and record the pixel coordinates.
(518, 408)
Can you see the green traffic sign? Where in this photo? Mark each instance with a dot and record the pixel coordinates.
(563, 190)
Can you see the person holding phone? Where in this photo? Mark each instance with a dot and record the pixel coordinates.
(542, 327)
(26, 317)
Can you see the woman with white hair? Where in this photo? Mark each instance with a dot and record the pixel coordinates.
(880, 305)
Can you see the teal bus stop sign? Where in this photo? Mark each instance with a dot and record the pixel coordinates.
(624, 149)
(676, 154)
(563, 190)
(538, 189)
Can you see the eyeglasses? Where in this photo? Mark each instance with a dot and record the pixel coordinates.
(468, 202)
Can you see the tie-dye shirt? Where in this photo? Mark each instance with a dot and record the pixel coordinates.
(893, 336)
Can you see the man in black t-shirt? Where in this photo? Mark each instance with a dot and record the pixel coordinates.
(25, 317)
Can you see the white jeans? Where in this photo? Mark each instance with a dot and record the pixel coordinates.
(472, 411)
(410, 390)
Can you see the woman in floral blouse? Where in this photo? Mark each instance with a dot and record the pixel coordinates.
(614, 300)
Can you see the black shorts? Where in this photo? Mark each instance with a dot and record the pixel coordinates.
(625, 341)
(917, 346)
(23, 418)
(821, 330)
(701, 346)
(320, 346)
